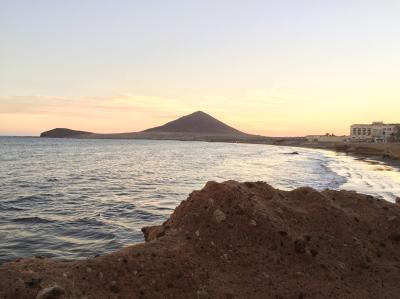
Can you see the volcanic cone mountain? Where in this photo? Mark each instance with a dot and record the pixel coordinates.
(197, 122)
(196, 126)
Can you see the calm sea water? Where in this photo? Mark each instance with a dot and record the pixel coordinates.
(78, 198)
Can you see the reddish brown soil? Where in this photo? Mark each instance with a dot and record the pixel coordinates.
(233, 240)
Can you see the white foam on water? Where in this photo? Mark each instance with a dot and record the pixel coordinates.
(366, 176)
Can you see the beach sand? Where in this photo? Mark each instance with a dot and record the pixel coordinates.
(389, 151)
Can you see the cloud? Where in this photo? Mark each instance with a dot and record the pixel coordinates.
(161, 106)
(256, 98)
(83, 106)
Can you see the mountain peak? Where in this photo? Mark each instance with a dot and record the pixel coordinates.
(199, 113)
(197, 122)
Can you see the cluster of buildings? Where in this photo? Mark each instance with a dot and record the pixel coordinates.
(377, 132)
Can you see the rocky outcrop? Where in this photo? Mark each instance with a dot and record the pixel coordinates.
(64, 133)
(239, 240)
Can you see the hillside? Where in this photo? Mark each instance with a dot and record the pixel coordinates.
(197, 122)
(196, 126)
(63, 133)
(238, 240)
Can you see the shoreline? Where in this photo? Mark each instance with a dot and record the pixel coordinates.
(235, 240)
(389, 153)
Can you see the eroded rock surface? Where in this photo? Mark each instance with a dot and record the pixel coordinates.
(239, 240)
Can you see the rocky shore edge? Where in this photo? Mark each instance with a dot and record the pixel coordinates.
(388, 152)
(238, 240)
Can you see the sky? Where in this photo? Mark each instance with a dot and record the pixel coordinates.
(276, 68)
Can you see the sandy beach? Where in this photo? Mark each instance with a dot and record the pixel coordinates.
(388, 151)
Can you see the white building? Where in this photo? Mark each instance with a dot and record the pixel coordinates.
(375, 132)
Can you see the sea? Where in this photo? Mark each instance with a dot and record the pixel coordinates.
(78, 198)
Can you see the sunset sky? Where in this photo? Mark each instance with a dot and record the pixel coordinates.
(277, 68)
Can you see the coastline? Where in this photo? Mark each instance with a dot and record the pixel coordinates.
(235, 240)
(389, 153)
(384, 152)
(372, 150)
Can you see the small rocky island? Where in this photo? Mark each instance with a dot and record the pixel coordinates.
(238, 240)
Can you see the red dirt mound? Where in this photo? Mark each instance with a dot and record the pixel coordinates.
(238, 240)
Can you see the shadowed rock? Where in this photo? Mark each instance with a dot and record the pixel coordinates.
(63, 133)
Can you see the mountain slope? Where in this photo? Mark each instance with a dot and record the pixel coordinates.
(198, 126)
(63, 133)
(197, 122)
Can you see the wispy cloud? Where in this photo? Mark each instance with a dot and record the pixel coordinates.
(39, 104)
(261, 98)
(83, 106)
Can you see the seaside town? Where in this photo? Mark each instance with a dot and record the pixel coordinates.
(376, 132)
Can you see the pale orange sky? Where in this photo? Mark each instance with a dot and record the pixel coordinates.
(272, 113)
(287, 68)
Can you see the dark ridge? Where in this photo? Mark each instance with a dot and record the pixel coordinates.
(196, 126)
(63, 133)
(197, 122)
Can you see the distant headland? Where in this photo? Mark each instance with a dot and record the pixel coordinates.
(196, 126)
